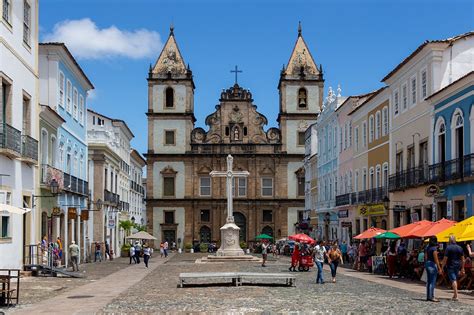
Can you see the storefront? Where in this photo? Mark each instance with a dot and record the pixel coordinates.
(346, 217)
(374, 215)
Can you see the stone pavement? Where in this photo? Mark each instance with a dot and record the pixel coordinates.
(91, 297)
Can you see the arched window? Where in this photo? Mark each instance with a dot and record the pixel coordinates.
(169, 98)
(385, 121)
(371, 178)
(385, 175)
(302, 98)
(378, 125)
(458, 135)
(245, 131)
(371, 128)
(53, 151)
(267, 230)
(378, 179)
(440, 138)
(44, 147)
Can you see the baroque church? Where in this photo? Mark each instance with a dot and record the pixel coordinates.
(184, 204)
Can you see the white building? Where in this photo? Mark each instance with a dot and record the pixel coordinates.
(18, 128)
(311, 175)
(137, 191)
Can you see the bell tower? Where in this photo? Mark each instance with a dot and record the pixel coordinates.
(301, 89)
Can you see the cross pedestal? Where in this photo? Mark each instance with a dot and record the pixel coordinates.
(230, 240)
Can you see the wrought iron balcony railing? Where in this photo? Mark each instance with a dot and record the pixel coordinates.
(10, 138)
(29, 148)
(343, 200)
(412, 177)
(111, 198)
(75, 185)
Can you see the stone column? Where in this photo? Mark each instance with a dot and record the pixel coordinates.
(78, 240)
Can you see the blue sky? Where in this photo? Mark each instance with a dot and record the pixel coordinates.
(357, 42)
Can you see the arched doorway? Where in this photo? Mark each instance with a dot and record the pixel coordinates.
(205, 234)
(267, 230)
(241, 222)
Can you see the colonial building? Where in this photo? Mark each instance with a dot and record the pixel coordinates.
(184, 204)
(311, 178)
(137, 191)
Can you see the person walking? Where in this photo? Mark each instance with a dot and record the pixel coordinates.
(162, 249)
(454, 262)
(146, 254)
(363, 256)
(334, 257)
(60, 248)
(295, 257)
(264, 252)
(319, 255)
(138, 250)
(74, 250)
(391, 259)
(107, 251)
(432, 267)
(132, 254)
(98, 254)
(344, 251)
(165, 248)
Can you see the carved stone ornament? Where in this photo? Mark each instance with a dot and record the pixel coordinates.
(235, 116)
(302, 125)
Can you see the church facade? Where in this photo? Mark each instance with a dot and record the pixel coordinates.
(184, 204)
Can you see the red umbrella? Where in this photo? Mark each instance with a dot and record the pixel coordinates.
(302, 238)
(433, 229)
(406, 231)
(370, 233)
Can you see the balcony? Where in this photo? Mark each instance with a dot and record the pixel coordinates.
(136, 187)
(111, 198)
(452, 170)
(29, 149)
(10, 141)
(410, 178)
(124, 206)
(343, 200)
(369, 196)
(75, 185)
(48, 173)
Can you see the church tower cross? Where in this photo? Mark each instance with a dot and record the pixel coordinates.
(236, 71)
(229, 175)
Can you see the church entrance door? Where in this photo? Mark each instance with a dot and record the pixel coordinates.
(241, 222)
(170, 236)
(205, 234)
(267, 230)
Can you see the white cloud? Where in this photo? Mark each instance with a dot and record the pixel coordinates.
(87, 41)
(91, 95)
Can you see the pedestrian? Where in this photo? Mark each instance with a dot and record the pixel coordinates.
(432, 267)
(264, 252)
(60, 247)
(391, 255)
(334, 258)
(344, 251)
(162, 249)
(319, 255)
(295, 257)
(132, 254)
(98, 253)
(454, 262)
(165, 248)
(107, 250)
(146, 254)
(74, 250)
(138, 250)
(402, 258)
(362, 256)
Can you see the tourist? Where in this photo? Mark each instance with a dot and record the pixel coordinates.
(402, 258)
(138, 250)
(98, 253)
(391, 255)
(344, 251)
(432, 267)
(162, 250)
(362, 256)
(146, 254)
(165, 248)
(74, 250)
(107, 250)
(264, 252)
(334, 257)
(60, 247)
(454, 262)
(319, 256)
(132, 254)
(295, 257)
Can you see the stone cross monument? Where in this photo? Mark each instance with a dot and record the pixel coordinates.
(230, 241)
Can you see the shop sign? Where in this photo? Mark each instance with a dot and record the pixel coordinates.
(71, 213)
(449, 209)
(432, 190)
(345, 224)
(85, 215)
(378, 209)
(111, 222)
(343, 213)
(56, 211)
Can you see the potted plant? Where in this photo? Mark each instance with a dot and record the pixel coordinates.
(188, 247)
(243, 245)
(125, 250)
(203, 247)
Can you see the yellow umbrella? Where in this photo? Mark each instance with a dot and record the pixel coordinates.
(460, 230)
(468, 234)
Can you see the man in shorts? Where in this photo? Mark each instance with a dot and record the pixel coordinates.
(454, 262)
(264, 252)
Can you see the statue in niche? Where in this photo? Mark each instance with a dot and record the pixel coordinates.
(236, 133)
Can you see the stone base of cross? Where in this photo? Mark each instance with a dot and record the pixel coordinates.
(230, 240)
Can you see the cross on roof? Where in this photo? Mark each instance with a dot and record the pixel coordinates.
(236, 71)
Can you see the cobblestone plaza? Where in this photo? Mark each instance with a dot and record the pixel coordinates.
(115, 287)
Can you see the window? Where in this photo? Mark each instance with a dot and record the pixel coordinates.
(5, 198)
(410, 157)
(168, 186)
(81, 110)
(68, 96)
(7, 10)
(356, 181)
(371, 178)
(413, 91)
(205, 215)
(399, 162)
(61, 89)
(301, 138)
(302, 98)
(345, 136)
(5, 226)
(371, 128)
(364, 179)
(301, 184)
(74, 104)
(241, 186)
(26, 22)
(364, 134)
(340, 140)
(424, 90)
(423, 153)
(26, 116)
(267, 216)
(378, 125)
(356, 138)
(378, 180)
(53, 151)
(170, 137)
(267, 187)
(396, 103)
(404, 97)
(385, 121)
(350, 134)
(205, 186)
(169, 217)
(385, 175)
(169, 98)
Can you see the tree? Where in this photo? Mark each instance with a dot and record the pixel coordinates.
(127, 226)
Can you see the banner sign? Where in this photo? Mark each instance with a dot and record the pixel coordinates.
(71, 213)
(85, 215)
(378, 209)
(111, 222)
(345, 224)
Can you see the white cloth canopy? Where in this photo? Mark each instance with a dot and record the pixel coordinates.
(141, 236)
(13, 209)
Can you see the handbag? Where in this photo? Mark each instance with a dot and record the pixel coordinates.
(424, 276)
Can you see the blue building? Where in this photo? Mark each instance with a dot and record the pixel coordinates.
(452, 174)
(64, 87)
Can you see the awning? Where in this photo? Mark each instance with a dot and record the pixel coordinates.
(14, 210)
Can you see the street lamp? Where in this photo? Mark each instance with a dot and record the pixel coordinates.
(386, 202)
(54, 186)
